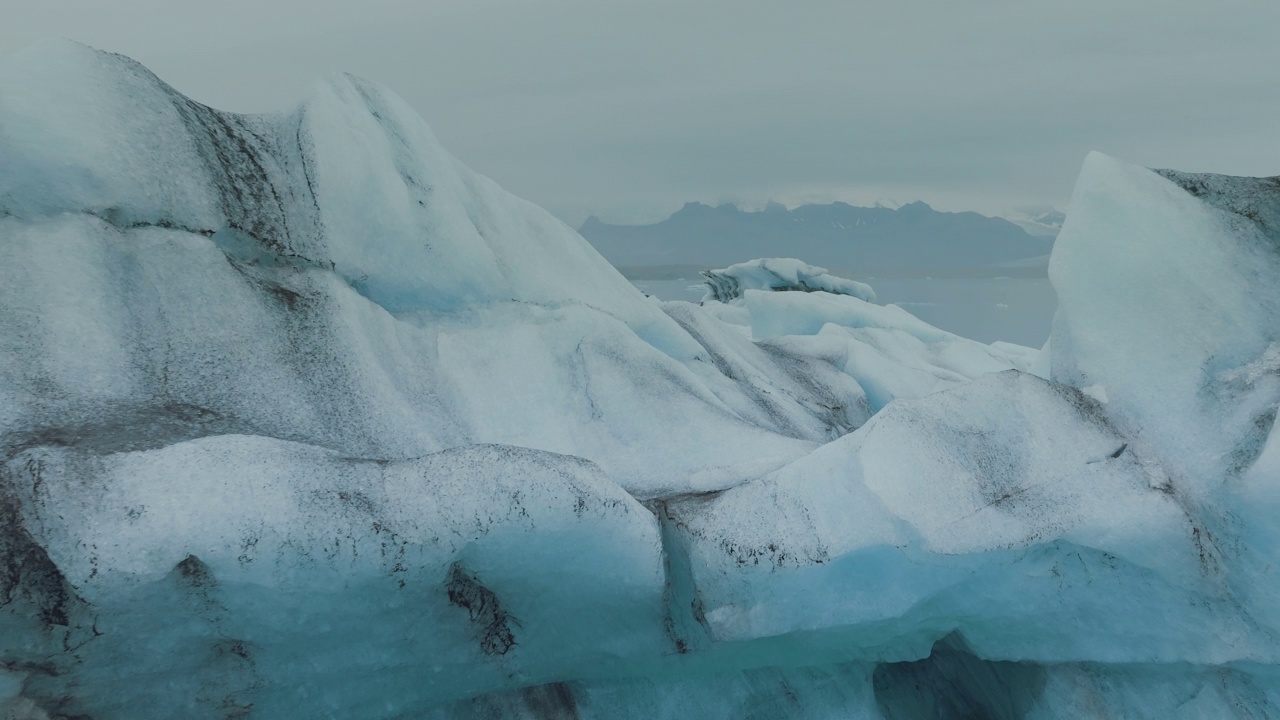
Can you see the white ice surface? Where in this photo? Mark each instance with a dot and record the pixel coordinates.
(1170, 306)
(301, 417)
(889, 352)
(306, 557)
(791, 274)
(330, 276)
(995, 509)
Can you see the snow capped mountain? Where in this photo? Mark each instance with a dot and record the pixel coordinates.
(300, 417)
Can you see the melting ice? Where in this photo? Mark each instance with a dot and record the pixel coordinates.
(300, 417)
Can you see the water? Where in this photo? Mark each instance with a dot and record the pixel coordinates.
(1016, 310)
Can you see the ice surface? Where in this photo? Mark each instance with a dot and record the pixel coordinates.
(889, 353)
(950, 503)
(1170, 305)
(779, 274)
(414, 564)
(299, 417)
(375, 322)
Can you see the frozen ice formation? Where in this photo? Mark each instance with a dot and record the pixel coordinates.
(299, 417)
(779, 274)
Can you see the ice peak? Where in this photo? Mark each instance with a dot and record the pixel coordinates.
(352, 180)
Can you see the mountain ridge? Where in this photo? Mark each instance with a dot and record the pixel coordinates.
(914, 237)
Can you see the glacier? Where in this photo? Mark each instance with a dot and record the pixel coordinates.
(301, 417)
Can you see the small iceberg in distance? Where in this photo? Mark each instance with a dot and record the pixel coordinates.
(781, 274)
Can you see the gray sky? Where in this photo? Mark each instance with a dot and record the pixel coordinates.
(628, 109)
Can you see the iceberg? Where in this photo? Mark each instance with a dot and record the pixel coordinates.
(300, 417)
(779, 274)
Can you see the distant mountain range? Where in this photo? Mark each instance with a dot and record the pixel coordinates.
(910, 240)
(1041, 223)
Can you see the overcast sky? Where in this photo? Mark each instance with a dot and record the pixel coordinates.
(628, 109)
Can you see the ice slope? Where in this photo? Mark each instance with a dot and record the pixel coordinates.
(883, 351)
(329, 276)
(1170, 310)
(301, 418)
(351, 170)
(1168, 305)
(1005, 487)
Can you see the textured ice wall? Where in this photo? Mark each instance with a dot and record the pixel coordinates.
(1170, 308)
(1169, 311)
(329, 276)
(299, 417)
(375, 585)
(271, 385)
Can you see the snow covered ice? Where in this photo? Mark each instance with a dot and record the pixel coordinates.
(780, 274)
(300, 417)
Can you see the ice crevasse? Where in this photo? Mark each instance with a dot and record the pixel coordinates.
(300, 417)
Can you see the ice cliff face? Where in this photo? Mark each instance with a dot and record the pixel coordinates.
(299, 417)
